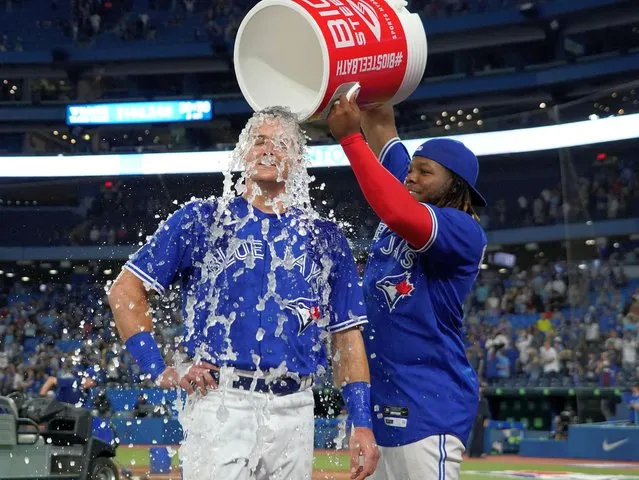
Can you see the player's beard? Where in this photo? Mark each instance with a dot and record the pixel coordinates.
(436, 196)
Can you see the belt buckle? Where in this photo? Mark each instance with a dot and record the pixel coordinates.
(281, 386)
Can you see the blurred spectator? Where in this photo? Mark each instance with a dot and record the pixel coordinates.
(549, 359)
(633, 405)
(629, 352)
(140, 409)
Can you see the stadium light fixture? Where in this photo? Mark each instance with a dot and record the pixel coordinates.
(587, 132)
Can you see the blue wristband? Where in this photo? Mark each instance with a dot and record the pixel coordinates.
(146, 353)
(357, 397)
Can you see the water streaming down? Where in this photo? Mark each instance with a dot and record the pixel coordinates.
(271, 143)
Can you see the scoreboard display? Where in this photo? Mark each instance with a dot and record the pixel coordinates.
(140, 112)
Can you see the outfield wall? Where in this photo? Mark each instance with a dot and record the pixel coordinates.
(591, 441)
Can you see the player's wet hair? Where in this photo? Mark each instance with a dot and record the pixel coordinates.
(458, 196)
(288, 118)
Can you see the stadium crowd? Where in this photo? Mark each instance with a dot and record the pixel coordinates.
(552, 324)
(555, 325)
(215, 21)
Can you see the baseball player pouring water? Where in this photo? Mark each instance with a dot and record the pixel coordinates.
(264, 284)
(423, 262)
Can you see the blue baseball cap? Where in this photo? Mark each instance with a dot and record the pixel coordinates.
(457, 158)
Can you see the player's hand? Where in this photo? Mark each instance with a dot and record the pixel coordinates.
(362, 443)
(198, 377)
(168, 379)
(345, 118)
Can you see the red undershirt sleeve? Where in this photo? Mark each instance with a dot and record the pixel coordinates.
(389, 198)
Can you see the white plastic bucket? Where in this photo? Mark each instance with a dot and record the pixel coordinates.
(303, 54)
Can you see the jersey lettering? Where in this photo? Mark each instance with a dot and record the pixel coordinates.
(245, 249)
(397, 248)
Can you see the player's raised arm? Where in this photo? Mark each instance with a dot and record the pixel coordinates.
(378, 125)
(386, 195)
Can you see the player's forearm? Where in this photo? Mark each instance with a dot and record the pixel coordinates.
(349, 358)
(392, 202)
(129, 302)
(378, 125)
(352, 376)
(48, 385)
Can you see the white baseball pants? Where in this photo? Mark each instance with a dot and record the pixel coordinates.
(232, 434)
(437, 457)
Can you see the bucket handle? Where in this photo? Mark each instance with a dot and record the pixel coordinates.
(348, 89)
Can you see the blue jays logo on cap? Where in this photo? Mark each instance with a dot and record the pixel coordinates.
(395, 287)
(457, 158)
(306, 311)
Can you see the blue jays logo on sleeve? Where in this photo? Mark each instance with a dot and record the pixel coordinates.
(395, 287)
(306, 310)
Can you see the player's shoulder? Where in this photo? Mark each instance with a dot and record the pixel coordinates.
(393, 148)
(196, 210)
(328, 229)
(199, 206)
(457, 217)
(329, 236)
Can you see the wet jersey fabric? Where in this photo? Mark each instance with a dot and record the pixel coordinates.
(421, 381)
(257, 289)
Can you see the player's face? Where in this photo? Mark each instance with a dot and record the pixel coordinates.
(427, 181)
(268, 158)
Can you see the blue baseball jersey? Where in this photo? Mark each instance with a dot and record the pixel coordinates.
(68, 388)
(255, 284)
(421, 381)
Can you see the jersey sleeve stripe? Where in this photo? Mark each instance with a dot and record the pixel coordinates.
(145, 277)
(433, 234)
(350, 323)
(386, 148)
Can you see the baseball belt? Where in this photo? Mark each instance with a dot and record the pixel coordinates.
(278, 386)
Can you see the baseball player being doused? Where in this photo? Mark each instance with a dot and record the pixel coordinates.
(266, 286)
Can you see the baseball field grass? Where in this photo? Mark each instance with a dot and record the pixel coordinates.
(329, 465)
